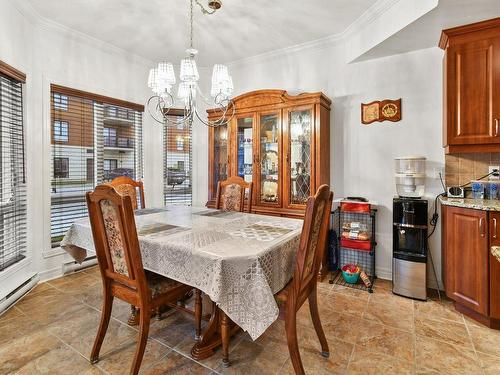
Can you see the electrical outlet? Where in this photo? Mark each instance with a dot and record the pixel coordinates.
(439, 171)
(493, 168)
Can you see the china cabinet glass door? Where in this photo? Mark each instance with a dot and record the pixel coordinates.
(221, 167)
(269, 158)
(244, 144)
(298, 155)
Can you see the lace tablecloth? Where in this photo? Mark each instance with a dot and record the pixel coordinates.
(240, 260)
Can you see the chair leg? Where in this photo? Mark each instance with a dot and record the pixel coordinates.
(313, 309)
(226, 336)
(144, 321)
(291, 338)
(198, 312)
(103, 326)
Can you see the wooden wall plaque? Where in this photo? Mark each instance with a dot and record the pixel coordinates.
(385, 110)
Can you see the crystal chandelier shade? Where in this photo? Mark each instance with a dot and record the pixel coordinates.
(162, 80)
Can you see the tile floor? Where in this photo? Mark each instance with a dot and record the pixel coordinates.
(51, 331)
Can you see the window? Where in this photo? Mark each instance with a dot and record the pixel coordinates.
(61, 167)
(90, 170)
(92, 158)
(180, 143)
(109, 137)
(60, 102)
(61, 131)
(177, 187)
(110, 165)
(12, 173)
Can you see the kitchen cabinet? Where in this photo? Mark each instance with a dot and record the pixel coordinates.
(494, 266)
(278, 141)
(472, 87)
(471, 273)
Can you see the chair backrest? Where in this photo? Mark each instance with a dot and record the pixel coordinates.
(127, 186)
(115, 238)
(231, 194)
(313, 238)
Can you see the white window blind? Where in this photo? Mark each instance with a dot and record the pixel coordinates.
(103, 141)
(12, 173)
(177, 141)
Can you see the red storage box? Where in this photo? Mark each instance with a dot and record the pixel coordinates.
(359, 207)
(356, 244)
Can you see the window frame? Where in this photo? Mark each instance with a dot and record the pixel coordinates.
(60, 160)
(109, 136)
(58, 135)
(61, 101)
(89, 111)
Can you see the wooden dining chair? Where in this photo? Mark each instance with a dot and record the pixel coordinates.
(127, 186)
(231, 194)
(304, 282)
(119, 257)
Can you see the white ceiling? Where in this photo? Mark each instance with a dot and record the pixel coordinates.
(158, 29)
(426, 31)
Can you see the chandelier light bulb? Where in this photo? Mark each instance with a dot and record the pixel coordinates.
(166, 73)
(152, 79)
(220, 80)
(189, 70)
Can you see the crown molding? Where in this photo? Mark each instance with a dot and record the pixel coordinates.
(363, 21)
(42, 22)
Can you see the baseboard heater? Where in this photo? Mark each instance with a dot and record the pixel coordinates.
(75, 266)
(17, 293)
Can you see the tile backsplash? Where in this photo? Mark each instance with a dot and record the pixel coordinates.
(462, 168)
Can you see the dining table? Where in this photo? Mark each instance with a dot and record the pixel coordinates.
(239, 260)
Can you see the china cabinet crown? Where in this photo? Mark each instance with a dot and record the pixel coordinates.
(278, 141)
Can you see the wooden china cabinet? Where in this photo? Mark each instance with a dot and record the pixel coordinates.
(279, 142)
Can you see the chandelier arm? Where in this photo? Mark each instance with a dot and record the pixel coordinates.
(222, 120)
(186, 118)
(212, 101)
(157, 107)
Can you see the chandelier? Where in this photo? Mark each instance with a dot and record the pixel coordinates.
(162, 81)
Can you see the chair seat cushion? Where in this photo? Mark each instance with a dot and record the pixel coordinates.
(160, 284)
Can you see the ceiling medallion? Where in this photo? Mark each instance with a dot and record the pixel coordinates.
(162, 80)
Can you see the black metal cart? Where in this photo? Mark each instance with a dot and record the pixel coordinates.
(349, 251)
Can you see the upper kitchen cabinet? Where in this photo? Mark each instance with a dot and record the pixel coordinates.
(472, 87)
(278, 141)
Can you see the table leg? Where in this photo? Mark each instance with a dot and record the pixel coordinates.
(198, 312)
(225, 334)
(211, 338)
(133, 319)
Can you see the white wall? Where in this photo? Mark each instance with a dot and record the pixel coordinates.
(49, 53)
(362, 156)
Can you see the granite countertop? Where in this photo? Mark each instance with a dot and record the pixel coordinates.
(477, 204)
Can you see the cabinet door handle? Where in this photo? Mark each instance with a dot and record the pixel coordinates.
(494, 228)
(481, 226)
(496, 127)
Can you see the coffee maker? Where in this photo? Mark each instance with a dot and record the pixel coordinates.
(409, 264)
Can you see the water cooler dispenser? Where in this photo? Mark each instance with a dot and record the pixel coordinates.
(410, 227)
